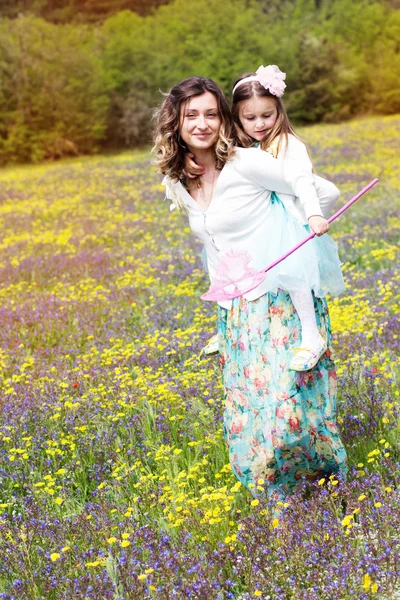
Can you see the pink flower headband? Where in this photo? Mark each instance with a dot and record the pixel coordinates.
(271, 78)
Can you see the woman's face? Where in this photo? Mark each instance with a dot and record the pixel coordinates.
(200, 122)
(258, 116)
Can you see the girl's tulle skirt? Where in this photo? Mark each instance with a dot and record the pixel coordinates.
(315, 266)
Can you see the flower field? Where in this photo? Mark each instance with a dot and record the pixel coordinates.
(114, 474)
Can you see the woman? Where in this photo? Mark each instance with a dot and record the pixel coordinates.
(279, 424)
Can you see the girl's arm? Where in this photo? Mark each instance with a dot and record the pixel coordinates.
(328, 195)
(327, 191)
(191, 168)
(287, 176)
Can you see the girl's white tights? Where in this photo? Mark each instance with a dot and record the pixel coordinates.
(304, 305)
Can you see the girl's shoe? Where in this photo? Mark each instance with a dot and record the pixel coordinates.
(305, 359)
(212, 347)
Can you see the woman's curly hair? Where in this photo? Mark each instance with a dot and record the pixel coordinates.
(168, 148)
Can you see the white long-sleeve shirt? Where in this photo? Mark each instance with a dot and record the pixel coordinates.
(241, 204)
(327, 191)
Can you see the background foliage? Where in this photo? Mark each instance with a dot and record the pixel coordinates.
(77, 75)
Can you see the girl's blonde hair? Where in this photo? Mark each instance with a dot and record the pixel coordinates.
(282, 126)
(169, 148)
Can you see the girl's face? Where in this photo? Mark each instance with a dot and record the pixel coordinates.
(258, 116)
(200, 122)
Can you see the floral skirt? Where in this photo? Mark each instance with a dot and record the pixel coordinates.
(280, 425)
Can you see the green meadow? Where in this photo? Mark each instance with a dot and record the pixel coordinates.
(115, 478)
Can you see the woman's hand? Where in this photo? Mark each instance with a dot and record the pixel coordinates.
(318, 224)
(192, 169)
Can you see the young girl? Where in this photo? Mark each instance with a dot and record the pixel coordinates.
(261, 121)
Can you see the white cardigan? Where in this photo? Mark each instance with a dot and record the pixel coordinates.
(327, 191)
(241, 204)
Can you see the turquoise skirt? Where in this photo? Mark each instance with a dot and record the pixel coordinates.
(280, 425)
(315, 266)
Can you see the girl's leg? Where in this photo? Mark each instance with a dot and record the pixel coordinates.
(313, 346)
(304, 305)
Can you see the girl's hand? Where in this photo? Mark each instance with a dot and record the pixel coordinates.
(318, 224)
(191, 168)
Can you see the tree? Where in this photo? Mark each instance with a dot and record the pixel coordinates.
(61, 11)
(54, 99)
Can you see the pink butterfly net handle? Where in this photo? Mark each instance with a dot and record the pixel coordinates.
(216, 294)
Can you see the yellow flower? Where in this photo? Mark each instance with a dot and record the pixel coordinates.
(255, 502)
(65, 549)
(148, 571)
(125, 536)
(378, 504)
(367, 582)
(275, 523)
(125, 544)
(321, 481)
(55, 556)
(92, 564)
(374, 588)
(362, 497)
(347, 520)
(142, 576)
(58, 501)
(257, 593)
(112, 540)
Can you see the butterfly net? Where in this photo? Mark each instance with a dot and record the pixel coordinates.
(234, 277)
